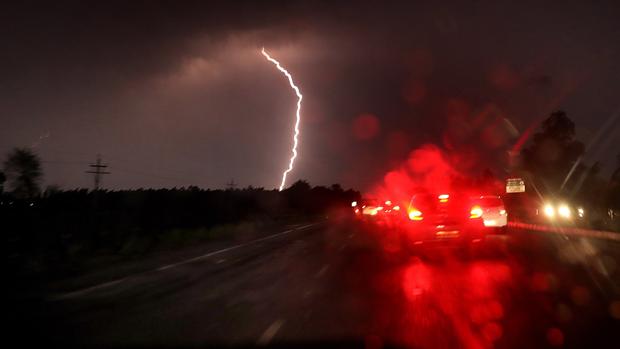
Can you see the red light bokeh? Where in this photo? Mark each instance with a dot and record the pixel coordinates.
(555, 337)
(415, 92)
(426, 167)
(463, 299)
(504, 77)
(366, 126)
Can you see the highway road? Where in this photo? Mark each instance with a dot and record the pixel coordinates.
(342, 284)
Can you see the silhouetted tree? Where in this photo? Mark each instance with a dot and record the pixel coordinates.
(23, 171)
(59, 226)
(297, 194)
(2, 180)
(336, 188)
(590, 188)
(553, 152)
(300, 185)
(613, 192)
(615, 177)
(51, 190)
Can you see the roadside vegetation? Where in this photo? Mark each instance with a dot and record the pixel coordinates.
(61, 231)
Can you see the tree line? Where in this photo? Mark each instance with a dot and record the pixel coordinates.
(553, 162)
(64, 226)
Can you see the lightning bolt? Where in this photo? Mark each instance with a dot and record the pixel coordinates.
(297, 115)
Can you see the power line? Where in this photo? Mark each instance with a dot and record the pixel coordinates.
(174, 175)
(231, 185)
(152, 175)
(62, 162)
(99, 170)
(165, 176)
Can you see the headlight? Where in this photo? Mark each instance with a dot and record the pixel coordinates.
(580, 212)
(564, 211)
(549, 211)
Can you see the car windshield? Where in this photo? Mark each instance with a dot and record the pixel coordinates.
(491, 202)
(372, 202)
(310, 173)
(431, 201)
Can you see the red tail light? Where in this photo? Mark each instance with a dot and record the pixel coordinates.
(415, 214)
(476, 212)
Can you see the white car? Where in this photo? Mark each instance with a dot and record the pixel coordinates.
(494, 213)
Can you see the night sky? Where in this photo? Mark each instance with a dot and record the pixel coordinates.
(177, 93)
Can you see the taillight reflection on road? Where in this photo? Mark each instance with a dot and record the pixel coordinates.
(416, 280)
(448, 305)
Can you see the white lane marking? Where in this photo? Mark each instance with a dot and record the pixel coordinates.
(210, 254)
(88, 290)
(270, 332)
(214, 253)
(306, 226)
(169, 266)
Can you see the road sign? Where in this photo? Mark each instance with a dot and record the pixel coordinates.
(515, 185)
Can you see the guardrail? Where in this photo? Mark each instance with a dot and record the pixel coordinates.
(598, 234)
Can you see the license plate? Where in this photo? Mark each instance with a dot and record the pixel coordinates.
(447, 233)
(490, 223)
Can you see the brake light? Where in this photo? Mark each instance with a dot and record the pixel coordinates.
(443, 197)
(476, 212)
(415, 215)
(396, 208)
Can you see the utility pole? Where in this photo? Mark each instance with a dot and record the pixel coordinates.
(231, 185)
(98, 169)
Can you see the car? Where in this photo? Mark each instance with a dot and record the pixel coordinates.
(377, 210)
(435, 217)
(561, 212)
(371, 207)
(494, 215)
(390, 209)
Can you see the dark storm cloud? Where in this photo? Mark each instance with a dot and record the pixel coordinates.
(176, 94)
